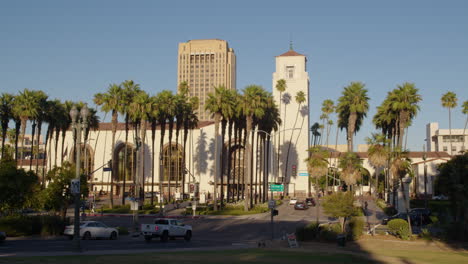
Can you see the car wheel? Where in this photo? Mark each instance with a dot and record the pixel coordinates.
(87, 236)
(113, 235)
(188, 235)
(165, 236)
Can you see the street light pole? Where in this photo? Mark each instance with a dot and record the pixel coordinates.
(77, 126)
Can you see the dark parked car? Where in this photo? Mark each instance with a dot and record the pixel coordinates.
(310, 201)
(301, 206)
(418, 216)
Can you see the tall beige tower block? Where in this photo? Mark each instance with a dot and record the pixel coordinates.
(293, 135)
(205, 64)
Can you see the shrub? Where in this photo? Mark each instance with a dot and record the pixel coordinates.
(308, 232)
(329, 232)
(356, 228)
(426, 234)
(400, 228)
(44, 225)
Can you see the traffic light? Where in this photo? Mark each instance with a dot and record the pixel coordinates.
(294, 170)
(274, 212)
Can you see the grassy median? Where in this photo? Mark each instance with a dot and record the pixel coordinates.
(206, 257)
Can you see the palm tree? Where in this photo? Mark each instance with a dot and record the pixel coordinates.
(228, 111)
(404, 101)
(170, 112)
(26, 108)
(400, 167)
(153, 119)
(41, 98)
(65, 125)
(128, 92)
(214, 104)
(138, 111)
(350, 165)
(378, 154)
(190, 122)
(110, 102)
(253, 104)
(317, 166)
(6, 113)
(328, 107)
(449, 101)
(352, 108)
(51, 114)
(269, 122)
(465, 111)
(162, 116)
(300, 98)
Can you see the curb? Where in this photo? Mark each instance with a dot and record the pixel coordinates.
(144, 216)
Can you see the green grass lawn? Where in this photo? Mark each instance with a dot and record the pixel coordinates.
(206, 257)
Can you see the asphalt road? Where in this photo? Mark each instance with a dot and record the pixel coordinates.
(210, 231)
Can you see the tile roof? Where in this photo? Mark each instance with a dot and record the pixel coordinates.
(290, 53)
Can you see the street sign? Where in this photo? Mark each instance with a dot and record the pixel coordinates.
(107, 169)
(271, 204)
(304, 174)
(276, 188)
(75, 186)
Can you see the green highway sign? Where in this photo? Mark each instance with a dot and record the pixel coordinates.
(276, 188)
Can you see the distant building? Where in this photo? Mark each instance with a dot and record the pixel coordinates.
(205, 64)
(439, 139)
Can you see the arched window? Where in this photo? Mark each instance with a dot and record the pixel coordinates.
(126, 166)
(172, 162)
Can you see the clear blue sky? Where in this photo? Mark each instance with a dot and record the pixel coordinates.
(74, 49)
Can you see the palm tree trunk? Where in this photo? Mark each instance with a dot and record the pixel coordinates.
(23, 131)
(229, 175)
(46, 157)
(17, 133)
(57, 137)
(217, 118)
(4, 132)
(350, 131)
(223, 154)
(450, 131)
(153, 137)
(127, 128)
(33, 133)
(247, 158)
(406, 206)
(63, 145)
(161, 164)
(39, 131)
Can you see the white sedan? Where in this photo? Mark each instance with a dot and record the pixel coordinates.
(293, 201)
(92, 229)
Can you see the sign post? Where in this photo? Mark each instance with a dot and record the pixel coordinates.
(75, 186)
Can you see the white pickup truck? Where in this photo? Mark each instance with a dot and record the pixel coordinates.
(166, 228)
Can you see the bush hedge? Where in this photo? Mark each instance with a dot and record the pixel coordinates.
(400, 228)
(356, 228)
(44, 225)
(308, 232)
(328, 233)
